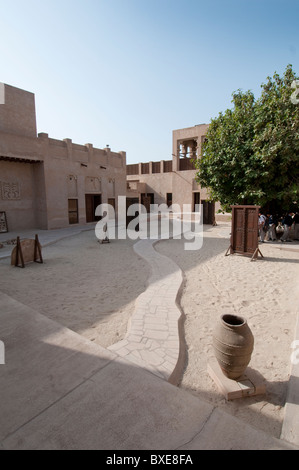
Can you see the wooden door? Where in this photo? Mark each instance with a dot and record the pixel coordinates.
(239, 230)
(130, 202)
(111, 202)
(196, 202)
(97, 201)
(169, 199)
(208, 212)
(73, 211)
(251, 238)
(147, 200)
(89, 207)
(92, 201)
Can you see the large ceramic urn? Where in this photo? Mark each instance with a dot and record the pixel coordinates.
(233, 344)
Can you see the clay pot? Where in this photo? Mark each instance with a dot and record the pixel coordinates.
(233, 345)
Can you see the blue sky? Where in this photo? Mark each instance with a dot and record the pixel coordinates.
(126, 73)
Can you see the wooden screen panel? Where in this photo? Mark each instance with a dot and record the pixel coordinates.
(239, 230)
(252, 230)
(244, 238)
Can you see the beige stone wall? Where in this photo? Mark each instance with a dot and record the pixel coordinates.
(40, 203)
(72, 171)
(158, 184)
(17, 196)
(20, 197)
(17, 115)
(36, 194)
(19, 146)
(187, 144)
(184, 187)
(181, 184)
(38, 175)
(189, 133)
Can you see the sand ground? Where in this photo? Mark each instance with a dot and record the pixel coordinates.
(87, 287)
(92, 288)
(265, 292)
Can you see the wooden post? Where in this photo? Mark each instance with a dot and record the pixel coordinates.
(26, 251)
(230, 249)
(19, 253)
(37, 249)
(255, 254)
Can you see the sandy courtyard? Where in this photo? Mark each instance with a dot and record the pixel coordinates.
(265, 292)
(92, 288)
(87, 287)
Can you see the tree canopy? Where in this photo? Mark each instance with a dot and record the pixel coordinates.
(251, 154)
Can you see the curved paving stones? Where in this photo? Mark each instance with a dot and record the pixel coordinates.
(153, 340)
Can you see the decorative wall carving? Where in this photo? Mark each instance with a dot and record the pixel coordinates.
(72, 187)
(10, 191)
(111, 188)
(92, 185)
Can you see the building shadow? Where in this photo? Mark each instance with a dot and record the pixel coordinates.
(61, 392)
(250, 409)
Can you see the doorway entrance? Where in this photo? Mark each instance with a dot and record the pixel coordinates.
(208, 212)
(73, 211)
(147, 200)
(169, 199)
(130, 202)
(196, 202)
(92, 201)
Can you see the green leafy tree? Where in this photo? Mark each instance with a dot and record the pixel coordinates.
(251, 155)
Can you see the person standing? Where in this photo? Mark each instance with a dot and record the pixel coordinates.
(287, 224)
(271, 227)
(261, 224)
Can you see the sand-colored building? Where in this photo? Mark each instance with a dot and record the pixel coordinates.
(173, 181)
(47, 183)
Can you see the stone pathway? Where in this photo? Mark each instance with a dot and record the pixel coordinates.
(153, 338)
